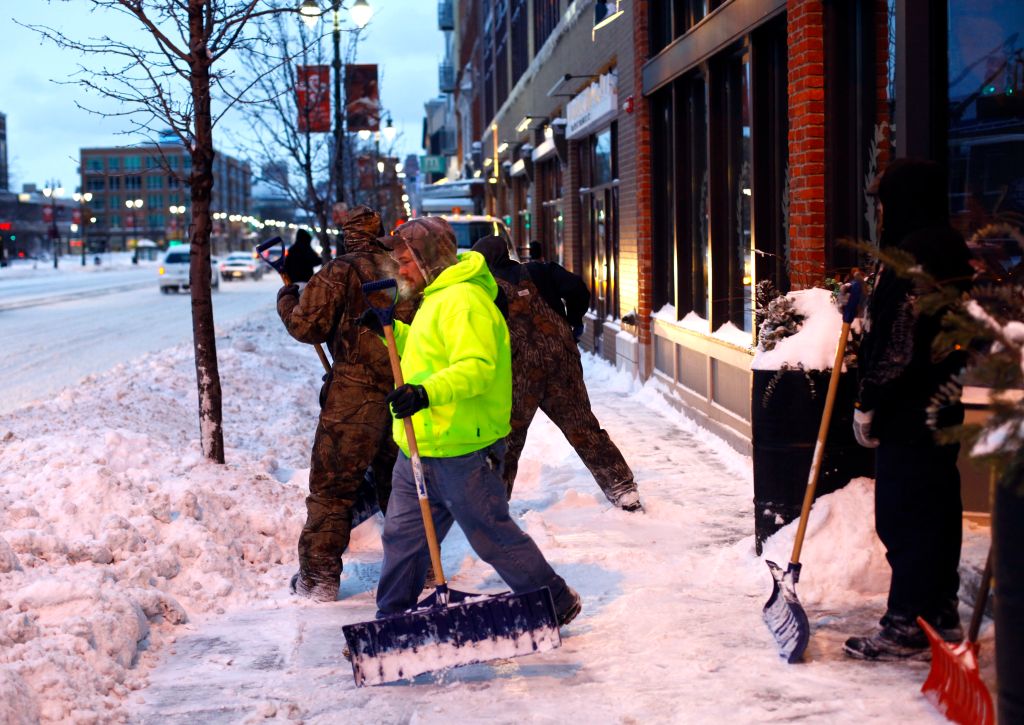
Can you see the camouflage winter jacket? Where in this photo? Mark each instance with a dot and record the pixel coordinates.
(330, 305)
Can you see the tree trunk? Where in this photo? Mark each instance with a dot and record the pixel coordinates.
(204, 341)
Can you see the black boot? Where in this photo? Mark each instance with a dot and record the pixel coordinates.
(898, 639)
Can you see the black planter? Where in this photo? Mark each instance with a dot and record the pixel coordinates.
(785, 429)
(1008, 539)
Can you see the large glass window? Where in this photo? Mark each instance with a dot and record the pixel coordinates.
(720, 174)
(520, 39)
(986, 130)
(600, 202)
(546, 14)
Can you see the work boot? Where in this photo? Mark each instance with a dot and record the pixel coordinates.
(574, 607)
(947, 622)
(625, 495)
(318, 587)
(898, 639)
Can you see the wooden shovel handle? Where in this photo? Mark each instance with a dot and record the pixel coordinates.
(417, 465)
(819, 446)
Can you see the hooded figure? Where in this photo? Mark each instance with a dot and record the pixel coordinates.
(547, 374)
(457, 365)
(354, 428)
(918, 509)
(301, 259)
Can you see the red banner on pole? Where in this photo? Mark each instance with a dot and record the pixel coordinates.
(47, 214)
(76, 216)
(313, 98)
(362, 98)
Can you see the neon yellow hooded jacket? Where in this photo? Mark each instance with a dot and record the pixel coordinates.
(458, 349)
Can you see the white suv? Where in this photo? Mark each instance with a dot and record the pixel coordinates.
(172, 273)
(471, 227)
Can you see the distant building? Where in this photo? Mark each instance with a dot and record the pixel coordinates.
(5, 180)
(155, 174)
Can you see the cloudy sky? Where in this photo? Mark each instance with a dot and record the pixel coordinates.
(45, 127)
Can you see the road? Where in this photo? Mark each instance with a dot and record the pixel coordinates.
(48, 345)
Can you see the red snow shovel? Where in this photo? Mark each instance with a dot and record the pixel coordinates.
(954, 685)
(448, 628)
(782, 612)
(278, 265)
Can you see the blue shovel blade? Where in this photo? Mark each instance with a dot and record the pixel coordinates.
(469, 629)
(784, 616)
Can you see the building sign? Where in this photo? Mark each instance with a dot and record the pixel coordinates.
(313, 98)
(432, 164)
(362, 98)
(592, 108)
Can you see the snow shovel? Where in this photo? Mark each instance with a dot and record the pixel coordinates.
(448, 628)
(782, 612)
(278, 265)
(954, 685)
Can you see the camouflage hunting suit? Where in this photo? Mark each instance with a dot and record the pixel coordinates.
(354, 430)
(547, 373)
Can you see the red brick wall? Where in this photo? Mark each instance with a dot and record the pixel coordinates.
(805, 21)
(642, 151)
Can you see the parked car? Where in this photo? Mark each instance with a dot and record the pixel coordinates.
(172, 274)
(471, 227)
(240, 265)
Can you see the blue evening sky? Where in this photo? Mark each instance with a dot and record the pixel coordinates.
(45, 128)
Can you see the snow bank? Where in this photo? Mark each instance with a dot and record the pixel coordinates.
(814, 345)
(114, 529)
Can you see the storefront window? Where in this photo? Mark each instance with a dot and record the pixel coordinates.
(720, 171)
(986, 130)
(599, 198)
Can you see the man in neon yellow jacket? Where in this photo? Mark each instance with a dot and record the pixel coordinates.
(457, 364)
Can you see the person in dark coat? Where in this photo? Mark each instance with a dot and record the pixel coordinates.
(547, 374)
(354, 430)
(563, 290)
(301, 261)
(918, 511)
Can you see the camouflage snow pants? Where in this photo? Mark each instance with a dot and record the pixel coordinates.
(354, 432)
(555, 385)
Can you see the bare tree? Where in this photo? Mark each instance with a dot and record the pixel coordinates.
(167, 77)
(278, 120)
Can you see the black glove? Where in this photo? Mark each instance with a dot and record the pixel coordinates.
(370, 321)
(577, 332)
(407, 399)
(288, 290)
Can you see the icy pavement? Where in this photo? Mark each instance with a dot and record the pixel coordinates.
(120, 532)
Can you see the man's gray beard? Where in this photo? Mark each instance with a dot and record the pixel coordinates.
(406, 292)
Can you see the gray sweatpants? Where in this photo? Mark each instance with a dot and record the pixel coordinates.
(467, 490)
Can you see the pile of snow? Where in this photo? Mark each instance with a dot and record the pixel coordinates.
(114, 529)
(120, 544)
(813, 346)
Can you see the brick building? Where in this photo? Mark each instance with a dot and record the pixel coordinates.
(680, 152)
(120, 177)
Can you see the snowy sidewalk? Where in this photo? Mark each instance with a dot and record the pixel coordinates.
(671, 629)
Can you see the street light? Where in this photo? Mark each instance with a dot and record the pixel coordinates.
(132, 204)
(389, 130)
(83, 201)
(52, 191)
(361, 13)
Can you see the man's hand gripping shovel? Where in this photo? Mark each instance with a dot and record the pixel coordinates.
(278, 265)
(448, 628)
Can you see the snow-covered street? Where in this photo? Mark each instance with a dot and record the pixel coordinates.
(139, 583)
(58, 328)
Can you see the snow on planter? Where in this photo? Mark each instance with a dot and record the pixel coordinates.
(813, 345)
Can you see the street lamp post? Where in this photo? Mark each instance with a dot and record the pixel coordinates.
(132, 204)
(360, 13)
(83, 217)
(52, 191)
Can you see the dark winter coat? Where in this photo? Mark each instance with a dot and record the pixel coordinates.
(301, 259)
(566, 292)
(333, 300)
(900, 373)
